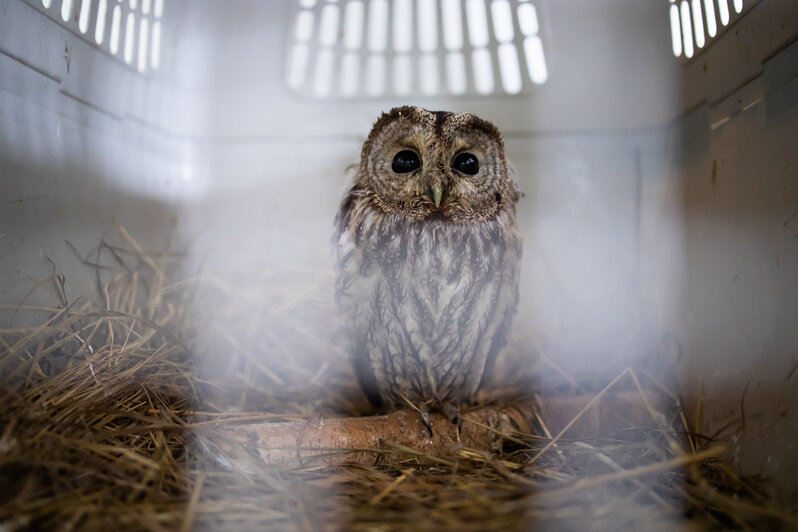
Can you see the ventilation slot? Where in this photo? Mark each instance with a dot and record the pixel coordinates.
(694, 23)
(382, 48)
(132, 32)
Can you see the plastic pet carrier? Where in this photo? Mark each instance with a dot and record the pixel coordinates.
(171, 352)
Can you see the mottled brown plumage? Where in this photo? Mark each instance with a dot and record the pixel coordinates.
(428, 257)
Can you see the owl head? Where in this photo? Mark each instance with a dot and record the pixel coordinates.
(435, 165)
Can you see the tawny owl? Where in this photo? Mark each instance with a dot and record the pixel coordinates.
(428, 254)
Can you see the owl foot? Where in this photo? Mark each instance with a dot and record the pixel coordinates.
(449, 410)
(424, 413)
(453, 414)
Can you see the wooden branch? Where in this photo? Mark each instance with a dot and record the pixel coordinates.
(371, 439)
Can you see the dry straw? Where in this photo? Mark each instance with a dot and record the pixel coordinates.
(116, 410)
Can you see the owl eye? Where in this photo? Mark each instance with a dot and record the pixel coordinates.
(466, 163)
(406, 161)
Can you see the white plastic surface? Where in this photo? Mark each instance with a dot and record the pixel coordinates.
(660, 194)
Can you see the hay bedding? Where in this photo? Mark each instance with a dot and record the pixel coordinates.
(127, 412)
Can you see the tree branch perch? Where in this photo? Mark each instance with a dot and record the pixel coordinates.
(371, 439)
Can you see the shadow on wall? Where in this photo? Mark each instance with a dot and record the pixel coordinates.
(740, 192)
(58, 192)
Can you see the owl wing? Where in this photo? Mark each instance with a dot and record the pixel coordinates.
(342, 217)
(508, 301)
(347, 276)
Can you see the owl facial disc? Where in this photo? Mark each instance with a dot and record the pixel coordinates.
(435, 165)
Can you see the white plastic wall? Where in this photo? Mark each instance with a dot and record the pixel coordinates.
(659, 215)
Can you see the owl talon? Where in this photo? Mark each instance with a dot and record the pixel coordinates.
(453, 414)
(426, 420)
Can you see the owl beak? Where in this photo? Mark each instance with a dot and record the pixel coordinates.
(437, 194)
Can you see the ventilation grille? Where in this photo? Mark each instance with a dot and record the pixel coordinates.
(378, 48)
(130, 30)
(694, 23)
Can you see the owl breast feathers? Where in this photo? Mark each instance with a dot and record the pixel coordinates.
(428, 254)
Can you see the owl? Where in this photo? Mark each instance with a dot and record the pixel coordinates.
(428, 254)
